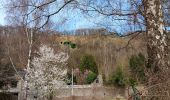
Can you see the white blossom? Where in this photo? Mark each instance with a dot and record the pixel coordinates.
(157, 37)
(47, 72)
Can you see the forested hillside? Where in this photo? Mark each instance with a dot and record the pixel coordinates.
(108, 50)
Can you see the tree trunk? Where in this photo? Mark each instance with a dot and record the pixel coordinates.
(156, 46)
(30, 42)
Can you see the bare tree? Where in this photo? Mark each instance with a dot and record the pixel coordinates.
(144, 13)
(37, 13)
(156, 36)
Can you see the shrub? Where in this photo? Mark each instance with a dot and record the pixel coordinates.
(88, 62)
(73, 45)
(67, 42)
(91, 77)
(137, 65)
(118, 78)
(132, 82)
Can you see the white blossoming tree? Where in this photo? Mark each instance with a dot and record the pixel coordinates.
(47, 73)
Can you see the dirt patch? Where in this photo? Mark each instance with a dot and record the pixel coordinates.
(88, 98)
(79, 98)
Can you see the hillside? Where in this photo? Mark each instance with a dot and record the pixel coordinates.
(109, 51)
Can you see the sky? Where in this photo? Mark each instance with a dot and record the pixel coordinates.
(69, 20)
(76, 20)
(2, 17)
(2, 13)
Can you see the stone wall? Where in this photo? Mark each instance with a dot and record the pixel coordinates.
(96, 92)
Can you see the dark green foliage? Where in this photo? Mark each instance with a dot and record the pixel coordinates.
(118, 78)
(67, 42)
(88, 62)
(137, 65)
(132, 82)
(91, 77)
(73, 45)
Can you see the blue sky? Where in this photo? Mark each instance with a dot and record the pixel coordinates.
(69, 20)
(74, 19)
(2, 13)
(2, 17)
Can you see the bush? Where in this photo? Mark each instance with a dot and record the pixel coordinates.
(137, 65)
(118, 78)
(73, 45)
(88, 62)
(91, 77)
(132, 82)
(67, 42)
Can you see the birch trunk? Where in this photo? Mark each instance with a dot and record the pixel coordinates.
(30, 42)
(156, 46)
